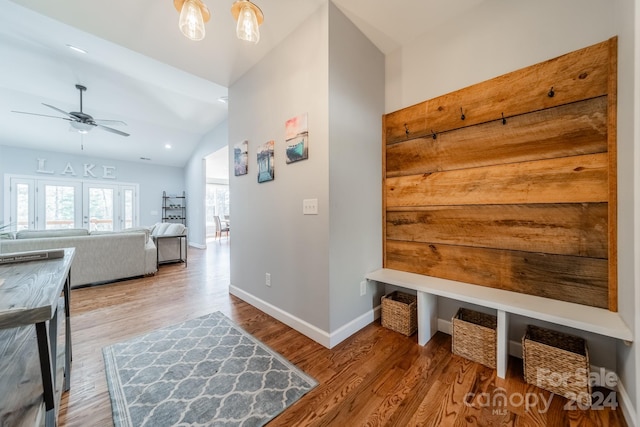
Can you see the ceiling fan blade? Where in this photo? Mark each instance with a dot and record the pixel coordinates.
(109, 122)
(108, 129)
(42, 115)
(59, 110)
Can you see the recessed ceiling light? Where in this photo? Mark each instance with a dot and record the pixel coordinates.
(167, 146)
(76, 49)
(224, 99)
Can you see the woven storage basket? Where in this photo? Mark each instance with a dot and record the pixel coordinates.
(558, 363)
(400, 312)
(474, 336)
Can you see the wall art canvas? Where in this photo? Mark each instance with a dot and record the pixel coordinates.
(265, 162)
(241, 158)
(297, 138)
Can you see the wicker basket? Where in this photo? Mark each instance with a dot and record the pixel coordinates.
(400, 312)
(558, 363)
(474, 336)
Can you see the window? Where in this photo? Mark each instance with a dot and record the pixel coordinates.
(217, 204)
(101, 205)
(22, 198)
(59, 205)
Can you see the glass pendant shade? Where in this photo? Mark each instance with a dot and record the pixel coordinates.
(247, 28)
(80, 127)
(191, 22)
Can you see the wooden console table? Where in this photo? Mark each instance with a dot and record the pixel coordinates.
(29, 295)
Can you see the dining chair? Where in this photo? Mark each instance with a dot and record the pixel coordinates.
(219, 228)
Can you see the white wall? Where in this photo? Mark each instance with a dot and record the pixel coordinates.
(500, 36)
(153, 179)
(195, 181)
(633, 355)
(628, 213)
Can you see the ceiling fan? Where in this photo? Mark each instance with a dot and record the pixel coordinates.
(80, 121)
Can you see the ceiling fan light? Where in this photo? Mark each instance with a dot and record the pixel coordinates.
(249, 17)
(80, 127)
(191, 22)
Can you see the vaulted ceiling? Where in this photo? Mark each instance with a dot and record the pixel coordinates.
(141, 70)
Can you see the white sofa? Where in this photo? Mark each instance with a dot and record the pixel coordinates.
(100, 256)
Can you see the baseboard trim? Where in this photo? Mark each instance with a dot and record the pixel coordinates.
(197, 245)
(345, 331)
(305, 328)
(324, 338)
(626, 405)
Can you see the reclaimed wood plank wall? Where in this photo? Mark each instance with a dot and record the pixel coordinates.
(520, 194)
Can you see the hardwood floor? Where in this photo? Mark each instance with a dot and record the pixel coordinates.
(376, 377)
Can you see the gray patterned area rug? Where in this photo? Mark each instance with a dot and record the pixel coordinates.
(203, 372)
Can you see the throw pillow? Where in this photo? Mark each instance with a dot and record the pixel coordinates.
(174, 229)
(160, 229)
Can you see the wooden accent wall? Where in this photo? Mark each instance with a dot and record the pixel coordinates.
(527, 203)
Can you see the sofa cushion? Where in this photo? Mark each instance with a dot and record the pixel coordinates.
(145, 230)
(126, 230)
(36, 234)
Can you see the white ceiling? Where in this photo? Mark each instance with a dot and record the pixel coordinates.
(140, 69)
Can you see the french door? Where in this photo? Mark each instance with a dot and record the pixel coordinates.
(41, 204)
(57, 204)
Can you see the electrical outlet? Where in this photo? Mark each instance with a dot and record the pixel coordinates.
(363, 288)
(267, 279)
(310, 206)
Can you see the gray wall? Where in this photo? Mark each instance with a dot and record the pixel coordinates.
(270, 234)
(153, 180)
(195, 181)
(329, 70)
(356, 105)
(521, 33)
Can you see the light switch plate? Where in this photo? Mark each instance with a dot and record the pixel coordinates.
(310, 207)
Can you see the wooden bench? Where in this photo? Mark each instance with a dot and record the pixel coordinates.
(586, 318)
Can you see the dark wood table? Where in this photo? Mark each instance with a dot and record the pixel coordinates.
(29, 295)
(180, 237)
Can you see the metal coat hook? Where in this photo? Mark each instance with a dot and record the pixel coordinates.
(504, 121)
(406, 129)
(433, 134)
(462, 116)
(551, 93)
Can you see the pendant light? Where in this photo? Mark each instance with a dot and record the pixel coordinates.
(193, 15)
(249, 17)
